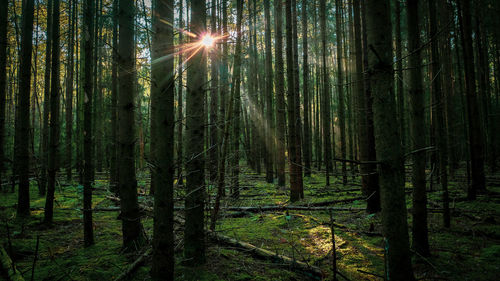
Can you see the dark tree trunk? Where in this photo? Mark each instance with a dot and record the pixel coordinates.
(307, 143)
(388, 142)
(113, 179)
(22, 131)
(88, 167)
(270, 129)
(417, 131)
(163, 88)
(4, 7)
(340, 89)
(280, 95)
(325, 99)
(133, 233)
(69, 92)
(194, 234)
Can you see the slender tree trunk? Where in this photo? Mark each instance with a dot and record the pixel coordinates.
(214, 100)
(69, 92)
(113, 182)
(237, 102)
(194, 234)
(180, 115)
(22, 130)
(163, 88)
(270, 125)
(4, 7)
(307, 143)
(133, 233)
(54, 126)
(438, 112)
(46, 101)
(88, 167)
(476, 148)
(369, 177)
(399, 75)
(388, 142)
(280, 94)
(325, 104)
(340, 89)
(417, 126)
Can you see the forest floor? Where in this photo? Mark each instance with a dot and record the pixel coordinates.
(469, 250)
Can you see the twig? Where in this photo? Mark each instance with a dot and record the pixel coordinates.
(34, 260)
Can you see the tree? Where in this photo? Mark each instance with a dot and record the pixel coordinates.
(21, 138)
(4, 7)
(325, 96)
(293, 119)
(54, 126)
(133, 234)
(269, 141)
(476, 145)
(417, 132)
(163, 88)
(88, 167)
(214, 101)
(113, 169)
(340, 89)
(69, 91)
(280, 94)
(307, 143)
(194, 235)
(237, 103)
(388, 142)
(369, 177)
(438, 112)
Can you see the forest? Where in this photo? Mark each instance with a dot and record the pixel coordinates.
(249, 140)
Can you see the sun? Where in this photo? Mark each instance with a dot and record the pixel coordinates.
(207, 41)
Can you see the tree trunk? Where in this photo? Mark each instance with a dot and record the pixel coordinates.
(325, 104)
(46, 101)
(214, 100)
(69, 92)
(388, 141)
(163, 88)
(4, 7)
(417, 130)
(194, 237)
(399, 75)
(270, 125)
(133, 233)
(340, 88)
(369, 177)
(22, 131)
(476, 145)
(88, 146)
(307, 143)
(113, 180)
(54, 126)
(280, 95)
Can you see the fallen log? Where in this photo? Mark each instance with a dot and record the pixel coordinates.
(272, 208)
(311, 271)
(8, 267)
(131, 268)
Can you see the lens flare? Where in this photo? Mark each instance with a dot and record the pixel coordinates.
(207, 41)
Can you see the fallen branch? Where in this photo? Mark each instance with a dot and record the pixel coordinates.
(312, 271)
(8, 267)
(134, 265)
(290, 208)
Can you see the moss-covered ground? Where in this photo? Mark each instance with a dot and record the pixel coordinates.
(469, 250)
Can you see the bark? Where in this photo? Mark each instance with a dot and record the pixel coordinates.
(438, 112)
(388, 141)
(399, 75)
(214, 100)
(270, 125)
(4, 7)
(237, 103)
(133, 233)
(307, 143)
(113, 181)
(280, 94)
(46, 101)
(340, 88)
(54, 126)
(163, 88)
(369, 177)
(194, 237)
(180, 115)
(417, 133)
(69, 92)
(88, 146)
(22, 130)
(325, 96)
(476, 144)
